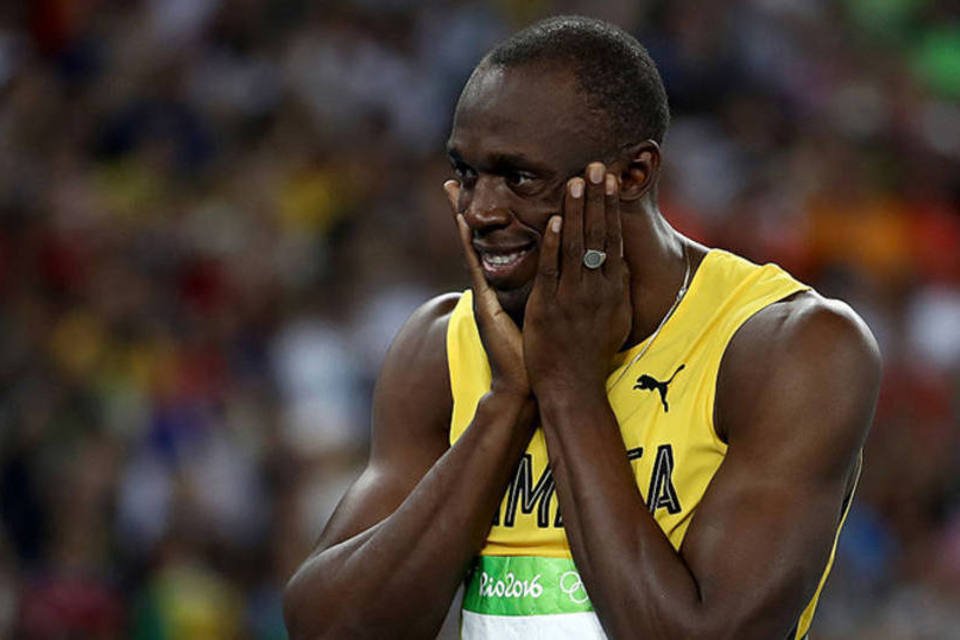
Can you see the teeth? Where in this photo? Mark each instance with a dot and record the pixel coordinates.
(500, 260)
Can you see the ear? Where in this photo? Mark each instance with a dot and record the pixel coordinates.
(641, 170)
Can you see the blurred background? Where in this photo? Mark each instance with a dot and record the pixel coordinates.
(215, 214)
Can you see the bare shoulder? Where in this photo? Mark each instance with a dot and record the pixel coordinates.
(413, 388)
(808, 324)
(807, 357)
(422, 339)
(411, 414)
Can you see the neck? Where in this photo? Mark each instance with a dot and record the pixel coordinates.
(657, 262)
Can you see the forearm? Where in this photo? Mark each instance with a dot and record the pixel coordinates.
(400, 575)
(639, 585)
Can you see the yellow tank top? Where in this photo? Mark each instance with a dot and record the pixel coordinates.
(664, 404)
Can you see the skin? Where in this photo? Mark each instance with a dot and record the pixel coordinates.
(401, 540)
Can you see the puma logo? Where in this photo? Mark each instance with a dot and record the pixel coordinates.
(649, 383)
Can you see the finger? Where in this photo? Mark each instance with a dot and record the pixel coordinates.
(614, 239)
(452, 189)
(594, 224)
(548, 269)
(572, 237)
(473, 262)
(483, 295)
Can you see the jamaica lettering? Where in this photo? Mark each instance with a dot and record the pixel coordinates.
(527, 496)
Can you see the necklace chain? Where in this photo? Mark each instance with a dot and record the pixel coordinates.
(653, 336)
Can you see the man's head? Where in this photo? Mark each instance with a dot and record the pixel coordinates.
(537, 109)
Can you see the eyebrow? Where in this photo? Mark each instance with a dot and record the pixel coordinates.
(505, 160)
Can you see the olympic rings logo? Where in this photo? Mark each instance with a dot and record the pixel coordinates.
(572, 585)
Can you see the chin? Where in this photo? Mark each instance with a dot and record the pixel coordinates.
(514, 302)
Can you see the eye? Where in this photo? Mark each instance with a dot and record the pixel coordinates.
(519, 178)
(463, 173)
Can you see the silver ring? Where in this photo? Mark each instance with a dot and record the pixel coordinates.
(594, 259)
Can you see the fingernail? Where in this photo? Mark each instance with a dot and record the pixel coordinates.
(611, 184)
(596, 173)
(576, 187)
(555, 223)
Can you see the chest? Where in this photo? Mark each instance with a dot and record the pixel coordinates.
(664, 412)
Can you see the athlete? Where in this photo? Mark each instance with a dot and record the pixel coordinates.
(616, 432)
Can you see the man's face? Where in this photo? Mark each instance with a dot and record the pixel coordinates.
(518, 135)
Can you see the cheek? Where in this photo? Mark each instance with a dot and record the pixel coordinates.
(535, 212)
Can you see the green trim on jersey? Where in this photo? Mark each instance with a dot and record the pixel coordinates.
(524, 586)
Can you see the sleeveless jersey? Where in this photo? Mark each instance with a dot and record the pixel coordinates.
(525, 584)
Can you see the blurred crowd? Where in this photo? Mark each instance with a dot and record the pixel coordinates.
(214, 216)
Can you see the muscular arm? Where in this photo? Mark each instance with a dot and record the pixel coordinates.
(795, 399)
(399, 543)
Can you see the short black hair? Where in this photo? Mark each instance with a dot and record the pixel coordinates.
(614, 71)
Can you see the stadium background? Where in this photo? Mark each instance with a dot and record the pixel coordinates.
(214, 215)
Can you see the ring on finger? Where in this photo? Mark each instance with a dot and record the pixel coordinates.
(594, 258)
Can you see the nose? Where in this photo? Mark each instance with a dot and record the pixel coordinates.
(483, 206)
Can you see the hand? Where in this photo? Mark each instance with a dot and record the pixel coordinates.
(499, 333)
(577, 318)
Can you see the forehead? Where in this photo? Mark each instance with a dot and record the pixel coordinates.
(528, 111)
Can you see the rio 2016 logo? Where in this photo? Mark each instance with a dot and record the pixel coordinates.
(509, 587)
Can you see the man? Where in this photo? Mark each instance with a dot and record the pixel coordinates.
(670, 429)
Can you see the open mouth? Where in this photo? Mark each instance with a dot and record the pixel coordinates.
(502, 265)
(499, 260)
